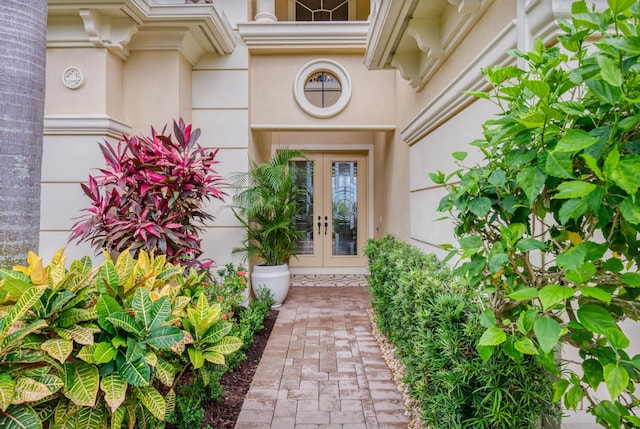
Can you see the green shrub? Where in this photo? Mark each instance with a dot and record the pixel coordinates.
(94, 347)
(548, 223)
(434, 322)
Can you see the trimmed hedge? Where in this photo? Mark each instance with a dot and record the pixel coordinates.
(433, 321)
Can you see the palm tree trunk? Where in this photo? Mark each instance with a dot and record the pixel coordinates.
(23, 44)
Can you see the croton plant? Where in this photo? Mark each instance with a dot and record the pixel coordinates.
(150, 195)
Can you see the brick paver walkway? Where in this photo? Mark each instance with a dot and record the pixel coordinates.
(322, 367)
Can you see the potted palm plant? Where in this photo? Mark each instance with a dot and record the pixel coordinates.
(265, 205)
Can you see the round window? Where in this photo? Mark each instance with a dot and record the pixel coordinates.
(322, 88)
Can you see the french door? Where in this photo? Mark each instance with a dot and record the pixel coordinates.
(332, 210)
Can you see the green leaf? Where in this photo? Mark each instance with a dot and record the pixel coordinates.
(609, 413)
(104, 352)
(487, 318)
(592, 372)
(58, 348)
(7, 390)
(228, 345)
(617, 338)
(143, 305)
(574, 141)
(597, 293)
(574, 189)
(109, 275)
(524, 294)
(616, 379)
(136, 373)
(529, 244)
(165, 372)
(152, 401)
(553, 294)
(90, 418)
(115, 390)
(593, 165)
(492, 337)
(470, 245)
(531, 180)
(630, 209)
(559, 165)
(164, 336)
(609, 70)
(196, 357)
(160, 311)
(526, 320)
(81, 383)
(537, 87)
(627, 173)
(24, 304)
(573, 397)
(631, 279)
(216, 332)
(460, 156)
(559, 387)
(214, 357)
(547, 332)
(485, 352)
(526, 346)
(20, 417)
(106, 306)
(480, 206)
(619, 6)
(497, 178)
(86, 354)
(572, 259)
(76, 315)
(125, 321)
(595, 318)
(605, 92)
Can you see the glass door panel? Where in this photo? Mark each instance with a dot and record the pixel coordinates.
(331, 210)
(344, 208)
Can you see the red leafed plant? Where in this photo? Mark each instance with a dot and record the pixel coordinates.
(150, 196)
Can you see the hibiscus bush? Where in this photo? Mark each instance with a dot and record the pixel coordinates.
(151, 195)
(548, 223)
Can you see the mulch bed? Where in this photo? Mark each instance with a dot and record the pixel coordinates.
(222, 414)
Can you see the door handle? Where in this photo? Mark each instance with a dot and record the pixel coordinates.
(326, 224)
(319, 225)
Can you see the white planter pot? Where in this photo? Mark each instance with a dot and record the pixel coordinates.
(276, 278)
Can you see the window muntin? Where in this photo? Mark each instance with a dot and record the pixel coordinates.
(322, 10)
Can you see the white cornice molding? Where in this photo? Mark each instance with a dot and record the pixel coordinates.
(86, 125)
(116, 24)
(289, 35)
(387, 29)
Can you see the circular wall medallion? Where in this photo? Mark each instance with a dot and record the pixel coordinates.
(72, 77)
(322, 88)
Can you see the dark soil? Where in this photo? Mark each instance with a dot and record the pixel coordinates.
(223, 413)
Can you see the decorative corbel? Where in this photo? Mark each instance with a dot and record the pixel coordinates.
(114, 33)
(426, 33)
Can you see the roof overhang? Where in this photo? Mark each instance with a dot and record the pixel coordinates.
(124, 25)
(416, 36)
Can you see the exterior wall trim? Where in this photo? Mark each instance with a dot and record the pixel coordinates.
(119, 25)
(313, 127)
(334, 36)
(87, 125)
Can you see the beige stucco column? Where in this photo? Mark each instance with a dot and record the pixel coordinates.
(266, 11)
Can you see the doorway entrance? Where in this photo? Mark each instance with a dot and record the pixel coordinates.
(332, 209)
